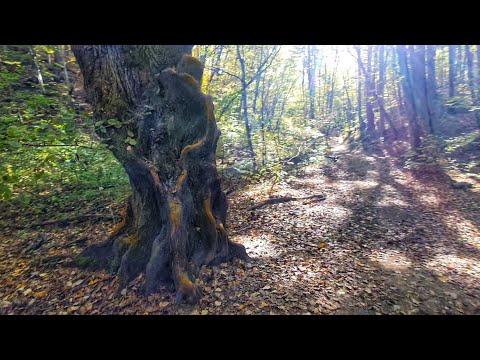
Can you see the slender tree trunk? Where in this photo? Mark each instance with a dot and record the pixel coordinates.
(452, 70)
(150, 111)
(413, 126)
(369, 87)
(64, 61)
(478, 72)
(471, 80)
(311, 80)
(380, 88)
(37, 69)
(360, 94)
(432, 95)
(245, 107)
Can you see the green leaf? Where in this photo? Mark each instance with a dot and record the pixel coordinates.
(12, 131)
(130, 134)
(132, 142)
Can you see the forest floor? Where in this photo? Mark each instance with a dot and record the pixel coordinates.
(383, 241)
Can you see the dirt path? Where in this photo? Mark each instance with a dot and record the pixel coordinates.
(382, 242)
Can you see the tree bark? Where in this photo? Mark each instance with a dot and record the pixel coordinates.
(162, 130)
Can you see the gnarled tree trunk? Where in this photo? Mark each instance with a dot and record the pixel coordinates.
(162, 129)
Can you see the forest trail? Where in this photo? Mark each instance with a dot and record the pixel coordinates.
(382, 242)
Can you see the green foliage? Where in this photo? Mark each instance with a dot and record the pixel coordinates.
(46, 148)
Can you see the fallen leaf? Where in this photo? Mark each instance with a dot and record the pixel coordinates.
(40, 294)
(443, 279)
(218, 303)
(94, 281)
(28, 291)
(204, 312)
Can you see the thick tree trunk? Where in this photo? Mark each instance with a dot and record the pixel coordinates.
(162, 129)
(419, 86)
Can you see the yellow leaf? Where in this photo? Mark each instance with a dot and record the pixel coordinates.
(204, 312)
(94, 281)
(241, 307)
(40, 294)
(322, 245)
(443, 279)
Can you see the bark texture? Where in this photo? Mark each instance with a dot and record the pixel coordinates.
(174, 221)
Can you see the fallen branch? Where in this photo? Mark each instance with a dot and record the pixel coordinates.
(284, 199)
(62, 222)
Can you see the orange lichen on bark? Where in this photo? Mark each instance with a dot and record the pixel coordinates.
(184, 282)
(208, 210)
(121, 225)
(180, 181)
(155, 177)
(191, 147)
(175, 213)
(209, 105)
(131, 240)
(221, 229)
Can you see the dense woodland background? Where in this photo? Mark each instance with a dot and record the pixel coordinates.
(275, 105)
(280, 109)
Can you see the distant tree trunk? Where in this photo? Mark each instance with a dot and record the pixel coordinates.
(477, 112)
(451, 70)
(369, 94)
(311, 80)
(245, 107)
(380, 88)
(478, 72)
(37, 69)
(64, 63)
(361, 123)
(471, 80)
(432, 95)
(414, 129)
(150, 111)
(262, 122)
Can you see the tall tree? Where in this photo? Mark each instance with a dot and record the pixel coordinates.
(150, 111)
